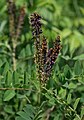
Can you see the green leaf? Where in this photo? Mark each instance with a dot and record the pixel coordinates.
(79, 57)
(67, 71)
(76, 40)
(1, 62)
(72, 86)
(65, 33)
(82, 111)
(52, 101)
(28, 50)
(22, 53)
(24, 115)
(47, 96)
(28, 113)
(62, 93)
(79, 37)
(8, 109)
(19, 118)
(56, 68)
(8, 80)
(82, 10)
(15, 78)
(76, 103)
(65, 85)
(69, 98)
(5, 67)
(9, 94)
(77, 68)
(2, 25)
(66, 57)
(65, 49)
(30, 109)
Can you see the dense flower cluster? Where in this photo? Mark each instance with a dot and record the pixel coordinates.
(44, 58)
(15, 30)
(20, 21)
(36, 24)
(12, 16)
(52, 55)
(36, 31)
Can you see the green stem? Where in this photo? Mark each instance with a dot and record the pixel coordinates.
(13, 53)
(39, 94)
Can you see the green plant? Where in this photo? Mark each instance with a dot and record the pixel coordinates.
(63, 96)
(15, 30)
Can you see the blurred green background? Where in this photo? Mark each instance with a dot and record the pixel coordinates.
(64, 18)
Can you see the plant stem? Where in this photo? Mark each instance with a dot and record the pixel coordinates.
(13, 53)
(22, 89)
(39, 94)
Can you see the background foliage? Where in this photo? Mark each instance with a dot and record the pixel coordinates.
(63, 97)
